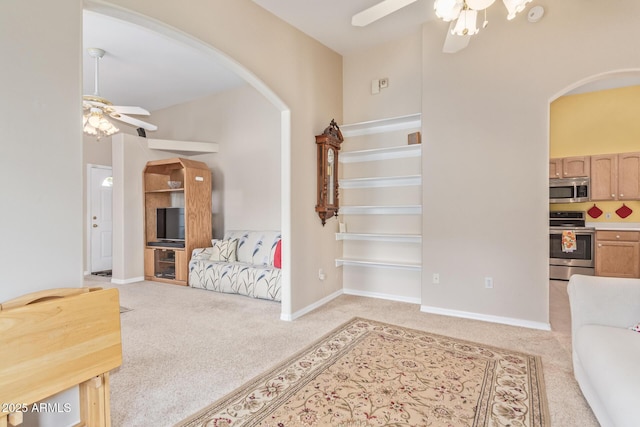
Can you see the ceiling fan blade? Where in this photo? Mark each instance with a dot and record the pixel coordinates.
(453, 42)
(380, 10)
(136, 111)
(134, 122)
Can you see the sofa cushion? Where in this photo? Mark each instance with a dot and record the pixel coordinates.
(224, 250)
(255, 247)
(609, 357)
(277, 256)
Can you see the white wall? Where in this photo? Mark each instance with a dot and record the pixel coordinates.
(401, 62)
(485, 150)
(41, 152)
(246, 170)
(485, 143)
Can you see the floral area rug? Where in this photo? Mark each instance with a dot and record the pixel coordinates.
(367, 373)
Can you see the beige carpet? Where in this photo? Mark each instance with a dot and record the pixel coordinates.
(185, 348)
(368, 373)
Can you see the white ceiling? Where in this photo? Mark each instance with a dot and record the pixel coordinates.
(147, 69)
(329, 21)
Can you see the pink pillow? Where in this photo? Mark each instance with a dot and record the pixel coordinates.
(277, 255)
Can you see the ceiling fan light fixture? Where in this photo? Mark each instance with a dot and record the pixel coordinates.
(467, 23)
(95, 124)
(98, 110)
(479, 4)
(514, 7)
(448, 10)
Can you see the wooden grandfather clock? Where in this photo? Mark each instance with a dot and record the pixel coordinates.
(328, 144)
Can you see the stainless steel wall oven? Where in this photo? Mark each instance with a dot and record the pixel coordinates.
(581, 258)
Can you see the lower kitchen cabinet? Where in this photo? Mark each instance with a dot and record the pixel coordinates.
(618, 253)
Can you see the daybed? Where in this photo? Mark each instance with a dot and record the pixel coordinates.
(243, 262)
(606, 350)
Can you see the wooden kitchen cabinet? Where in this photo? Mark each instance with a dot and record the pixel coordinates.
(629, 176)
(555, 168)
(618, 253)
(604, 177)
(615, 176)
(569, 167)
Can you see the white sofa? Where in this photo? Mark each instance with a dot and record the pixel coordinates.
(606, 352)
(245, 265)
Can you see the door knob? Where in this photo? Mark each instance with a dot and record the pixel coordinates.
(95, 217)
(95, 225)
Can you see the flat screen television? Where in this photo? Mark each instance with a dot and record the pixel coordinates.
(170, 224)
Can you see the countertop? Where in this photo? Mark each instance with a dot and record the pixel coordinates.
(615, 226)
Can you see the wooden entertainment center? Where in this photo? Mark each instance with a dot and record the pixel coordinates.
(168, 260)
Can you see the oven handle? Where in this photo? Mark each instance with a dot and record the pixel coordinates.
(577, 232)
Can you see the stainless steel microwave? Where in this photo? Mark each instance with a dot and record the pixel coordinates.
(569, 190)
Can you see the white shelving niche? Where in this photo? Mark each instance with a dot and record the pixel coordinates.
(381, 207)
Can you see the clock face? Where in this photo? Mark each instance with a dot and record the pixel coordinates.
(330, 156)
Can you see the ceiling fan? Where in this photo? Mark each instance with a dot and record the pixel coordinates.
(96, 108)
(461, 13)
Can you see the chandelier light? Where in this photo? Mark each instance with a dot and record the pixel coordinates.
(96, 124)
(465, 13)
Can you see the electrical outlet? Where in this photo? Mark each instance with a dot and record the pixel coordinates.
(321, 274)
(488, 282)
(384, 82)
(436, 278)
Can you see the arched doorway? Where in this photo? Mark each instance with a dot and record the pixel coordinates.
(591, 118)
(258, 85)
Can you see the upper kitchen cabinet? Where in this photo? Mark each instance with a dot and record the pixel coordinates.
(629, 176)
(604, 177)
(615, 176)
(569, 167)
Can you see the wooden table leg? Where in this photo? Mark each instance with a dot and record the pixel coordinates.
(94, 402)
(15, 419)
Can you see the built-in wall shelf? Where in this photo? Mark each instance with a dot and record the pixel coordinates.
(382, 181)
(410, 121)
(382, 210)
(387, 153)
(185, 148)
(378, 264)
(401, 238)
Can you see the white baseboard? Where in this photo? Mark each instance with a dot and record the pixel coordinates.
(309, 308)
(486, 318)
(379, 295)
(127, 281)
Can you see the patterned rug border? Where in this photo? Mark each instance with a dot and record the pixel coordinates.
(537, 375)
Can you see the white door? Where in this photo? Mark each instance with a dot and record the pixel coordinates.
(100, 218)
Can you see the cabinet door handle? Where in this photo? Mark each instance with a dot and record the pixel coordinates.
(599, 245)
(613, 195)
(617, 236)
(621, 195)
